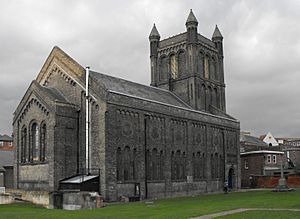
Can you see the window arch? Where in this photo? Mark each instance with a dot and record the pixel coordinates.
(163, 68)
(34, 146)
(23, 144)
(215, 97)
(119, 164)
(181, 62)
(206, 67)
(173, 67)
(203, 96)
(127, 164)
(200, 64)
(43, 142)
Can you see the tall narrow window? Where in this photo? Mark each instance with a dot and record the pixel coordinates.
(127, 164)
(206, 67)
(119, 164)
(134, 164)
(34, 150)
(43, 142)
(23, 144)
(163, 68)
(173, 67)
(181, 63)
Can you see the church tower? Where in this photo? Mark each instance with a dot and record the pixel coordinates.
(191, 66)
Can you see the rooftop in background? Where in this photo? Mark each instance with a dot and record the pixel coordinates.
(248, 139)
(6, 143)
(5, 138)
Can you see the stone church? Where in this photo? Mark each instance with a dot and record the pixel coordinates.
(171, 138)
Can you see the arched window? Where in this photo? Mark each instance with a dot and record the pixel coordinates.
(209, 97)
(23, 144)
(127, 164)
(173, 67)
(161, 167)
(181, 62)
(173, 166)
(203, 166)
(212, 166)
(200, 64)
(206, 67)
(154, 164)
(203, 97)
(213, 68)
(217, 166)
(134, 164)
(43, 144)
(214, 97)
(119, 164)
(34, 149)
(163, 68)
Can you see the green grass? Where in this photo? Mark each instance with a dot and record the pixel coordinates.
(183, 207)
(263, 215)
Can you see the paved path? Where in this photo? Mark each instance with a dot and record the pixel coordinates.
(242, 210)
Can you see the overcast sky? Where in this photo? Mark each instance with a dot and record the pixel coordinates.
(261, 40)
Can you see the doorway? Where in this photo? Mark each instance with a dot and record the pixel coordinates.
(230, 178)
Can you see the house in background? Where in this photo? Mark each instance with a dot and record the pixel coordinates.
(269, 139)
(258, 158)
(6, 161)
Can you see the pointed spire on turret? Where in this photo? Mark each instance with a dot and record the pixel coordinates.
(217, 34)
(154, 34)
(191, 19)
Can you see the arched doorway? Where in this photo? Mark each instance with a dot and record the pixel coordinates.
(230, 178)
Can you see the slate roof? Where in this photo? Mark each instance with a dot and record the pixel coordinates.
(118, 85)
(172, 40)
(5, 138)
(6, 158)
(252, 140)
(55, 94)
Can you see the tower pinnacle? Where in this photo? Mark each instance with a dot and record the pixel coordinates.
(154, 34)
(191, 19)
(217, 34)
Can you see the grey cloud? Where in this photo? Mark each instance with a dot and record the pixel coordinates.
(262, 49)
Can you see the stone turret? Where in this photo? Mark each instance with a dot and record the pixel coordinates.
(154, 38)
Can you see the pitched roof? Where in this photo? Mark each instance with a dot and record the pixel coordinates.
(6, 158)
(118, 85)
(5, 138)
(252, 140)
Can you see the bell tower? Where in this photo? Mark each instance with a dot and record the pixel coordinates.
(190, 65)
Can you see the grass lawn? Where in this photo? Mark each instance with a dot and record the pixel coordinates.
(263, 215)
(183, 207)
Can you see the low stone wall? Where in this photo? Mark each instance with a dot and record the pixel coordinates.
(75, 200)
(6, 199)
(36, 197)
(293, 181)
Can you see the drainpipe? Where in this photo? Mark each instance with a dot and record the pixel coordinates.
(87, 121)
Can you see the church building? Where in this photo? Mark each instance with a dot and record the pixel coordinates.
(171, 138)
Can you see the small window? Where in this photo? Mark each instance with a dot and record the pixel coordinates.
(246, 165)
(10, 143)
(274, 158)
(269, 158)
(1, 143)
